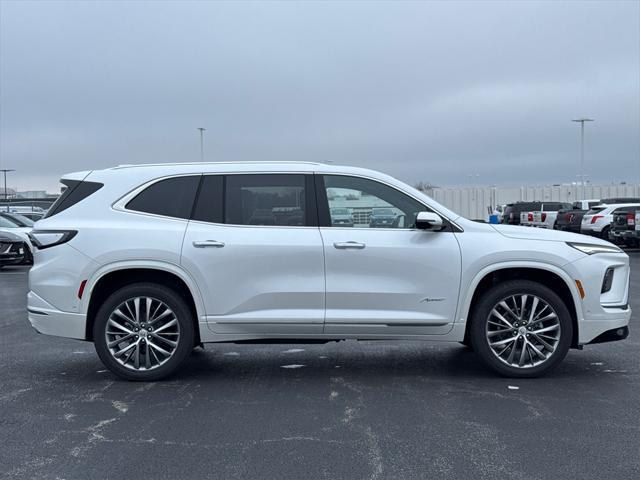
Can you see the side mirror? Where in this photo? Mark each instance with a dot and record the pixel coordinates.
(429, 221)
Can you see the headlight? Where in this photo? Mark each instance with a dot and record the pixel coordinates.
(590, 248)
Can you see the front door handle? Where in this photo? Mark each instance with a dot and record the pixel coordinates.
(350, 244)
(208, 243)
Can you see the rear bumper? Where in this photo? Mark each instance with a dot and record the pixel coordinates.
(47, 319)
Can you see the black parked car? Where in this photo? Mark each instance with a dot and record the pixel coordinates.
(382, 217)
(623, 227)
(13, 251)
(511, 215)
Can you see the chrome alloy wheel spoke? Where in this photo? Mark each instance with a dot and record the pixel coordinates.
(523, 330)
(142, 333)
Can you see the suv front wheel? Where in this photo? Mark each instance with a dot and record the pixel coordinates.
(521, 328)
(143, 332)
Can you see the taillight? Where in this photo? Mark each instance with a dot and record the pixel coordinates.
(595, 218)
(631, 219)
(567, 217)
(530, 217)
(543, 216)
(50, 238)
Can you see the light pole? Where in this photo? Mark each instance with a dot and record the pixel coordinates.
(5, 170)
(201, 143)
(581, 121)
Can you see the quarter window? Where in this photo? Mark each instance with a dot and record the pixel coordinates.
(172, 197)
(266, 199)
(369, 203)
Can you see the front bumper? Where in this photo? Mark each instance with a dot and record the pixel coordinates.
(47, 319)
(612, 335)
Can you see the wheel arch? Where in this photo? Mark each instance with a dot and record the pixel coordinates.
(112, 277)
(545, 274)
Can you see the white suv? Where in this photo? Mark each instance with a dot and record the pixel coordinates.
(149, 261)
(597, 221)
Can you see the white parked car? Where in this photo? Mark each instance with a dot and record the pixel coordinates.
(14, 224)
(149, 261)
(597, 221)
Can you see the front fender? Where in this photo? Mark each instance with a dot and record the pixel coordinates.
(465, 300)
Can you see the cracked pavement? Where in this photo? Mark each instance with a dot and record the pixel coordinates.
(348, 410)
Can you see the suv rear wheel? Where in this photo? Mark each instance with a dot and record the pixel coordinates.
(521, 329)
(143, 332)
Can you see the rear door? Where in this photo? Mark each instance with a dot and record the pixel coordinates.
(255, 250)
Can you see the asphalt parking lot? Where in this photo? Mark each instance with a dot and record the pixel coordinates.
(351, 410)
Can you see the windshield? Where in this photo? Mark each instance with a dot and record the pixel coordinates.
(21, 220)
(6, 223)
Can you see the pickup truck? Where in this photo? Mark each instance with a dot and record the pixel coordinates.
(512, 211)
(569, 219)
(545, 217)
(624, 227)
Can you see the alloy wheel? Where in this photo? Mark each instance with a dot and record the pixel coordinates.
(142, 333)
(523, 330)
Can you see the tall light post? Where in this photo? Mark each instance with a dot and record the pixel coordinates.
(581, 122)
(201, 143)
(5, 170)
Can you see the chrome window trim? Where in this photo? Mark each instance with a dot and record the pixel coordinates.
(119, 205)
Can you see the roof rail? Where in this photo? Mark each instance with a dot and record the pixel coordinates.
(173, 164)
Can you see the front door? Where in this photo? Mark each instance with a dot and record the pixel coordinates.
(383, 276)
(255, 250)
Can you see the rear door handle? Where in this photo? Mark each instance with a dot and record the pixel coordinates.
(208, 243)
(350, 244)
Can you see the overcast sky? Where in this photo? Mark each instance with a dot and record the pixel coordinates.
(421, 90)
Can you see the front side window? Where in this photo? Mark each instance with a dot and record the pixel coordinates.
(266, 199)
(370, 204)
(171, 197)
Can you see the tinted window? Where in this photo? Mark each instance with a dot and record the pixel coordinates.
(266, 199)
(209, 206)
(595, 210)
(372, 204)
(75, 192)
(172, 197)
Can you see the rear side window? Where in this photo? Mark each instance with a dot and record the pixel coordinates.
(172, 197)
(266, 199)
(76, 191)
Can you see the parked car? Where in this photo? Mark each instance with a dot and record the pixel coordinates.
(570, 219)
(11, 223)
(149, 261)
(12, 249)
(382, 218)
(597, 221)
(623, 227)
(341, 217)
(512, 211)
(546, 216)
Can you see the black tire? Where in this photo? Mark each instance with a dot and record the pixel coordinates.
(174, 302)
(604, 234)
(480, 317)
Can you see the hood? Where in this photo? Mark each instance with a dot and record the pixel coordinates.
(531, 233)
